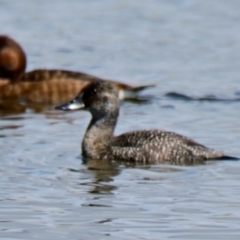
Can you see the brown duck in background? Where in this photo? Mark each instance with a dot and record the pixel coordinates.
(42, 85)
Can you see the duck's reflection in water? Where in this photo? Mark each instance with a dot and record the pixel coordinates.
(11, 107)
(104, 171)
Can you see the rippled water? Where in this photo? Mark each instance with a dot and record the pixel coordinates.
(188, 47)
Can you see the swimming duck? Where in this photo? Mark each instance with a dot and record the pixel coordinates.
(147, 146)
(43, 85)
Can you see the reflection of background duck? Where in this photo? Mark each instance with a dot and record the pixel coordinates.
(41, 85)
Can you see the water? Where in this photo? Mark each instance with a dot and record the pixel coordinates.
(189, 47)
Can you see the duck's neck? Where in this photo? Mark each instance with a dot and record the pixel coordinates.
(99, 134)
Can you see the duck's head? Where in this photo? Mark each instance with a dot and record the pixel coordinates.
(98, 97)
(12, 58)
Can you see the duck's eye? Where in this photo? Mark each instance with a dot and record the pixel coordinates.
(93, 91)
(73, 101)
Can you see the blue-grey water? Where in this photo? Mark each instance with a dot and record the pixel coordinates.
(186, 46)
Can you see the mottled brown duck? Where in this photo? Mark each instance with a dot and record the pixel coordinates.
(147, 146)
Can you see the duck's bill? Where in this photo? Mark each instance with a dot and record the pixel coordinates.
(71, 106)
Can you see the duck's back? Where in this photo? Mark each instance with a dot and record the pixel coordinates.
(54, 86)
(45, 86)
(160, 146)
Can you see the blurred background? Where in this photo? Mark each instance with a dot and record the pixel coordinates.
(172, 43)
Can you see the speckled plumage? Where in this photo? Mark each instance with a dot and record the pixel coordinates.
(148, 146)
(160, 146)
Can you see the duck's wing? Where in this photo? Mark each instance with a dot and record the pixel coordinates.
(125, 90)
(43, 86)
(55, 86)
(39, 75)
(161, 146)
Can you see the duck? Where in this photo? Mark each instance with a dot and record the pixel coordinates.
(100, 98)
(49, 86)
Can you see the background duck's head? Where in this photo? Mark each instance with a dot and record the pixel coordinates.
(12, 58)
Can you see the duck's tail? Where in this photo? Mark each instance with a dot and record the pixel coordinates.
(130, 92)
(140, 88)
(229, 158)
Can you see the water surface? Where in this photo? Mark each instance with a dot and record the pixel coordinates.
(188, 47)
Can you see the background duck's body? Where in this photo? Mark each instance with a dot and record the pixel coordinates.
(48, 86)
